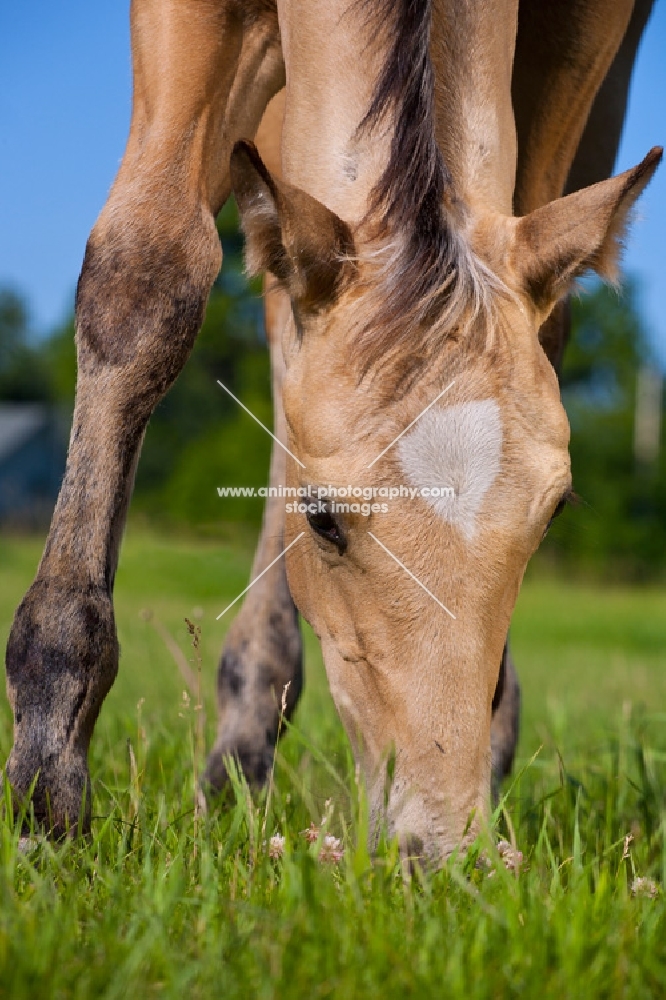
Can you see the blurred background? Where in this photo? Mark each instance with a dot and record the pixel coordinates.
(64, 104)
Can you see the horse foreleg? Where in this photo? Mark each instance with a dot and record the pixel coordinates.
(263, 650)
(203, 73)
(505, 724)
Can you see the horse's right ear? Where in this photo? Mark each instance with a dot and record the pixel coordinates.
(308, 248)
(558, 242)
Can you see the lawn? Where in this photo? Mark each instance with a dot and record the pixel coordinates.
(163, 901)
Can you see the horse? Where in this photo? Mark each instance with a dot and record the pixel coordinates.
(442, 181)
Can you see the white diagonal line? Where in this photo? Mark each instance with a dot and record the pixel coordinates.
(263, 426)
(414, 578)
(252, 582)
(417, 417)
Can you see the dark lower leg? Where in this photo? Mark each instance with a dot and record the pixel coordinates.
(505, 722)
(62, 654)
(262, 655)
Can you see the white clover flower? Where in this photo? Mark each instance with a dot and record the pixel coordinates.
(276, 846)
(644, 887)
(511, 856)
(311, 834)
(331, 849)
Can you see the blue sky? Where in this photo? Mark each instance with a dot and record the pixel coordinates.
(64, 111)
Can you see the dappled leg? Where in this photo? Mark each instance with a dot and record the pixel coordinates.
(504, 728)
(201, 78)
(263, 649)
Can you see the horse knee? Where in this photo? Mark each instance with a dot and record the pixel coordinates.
(143, 290)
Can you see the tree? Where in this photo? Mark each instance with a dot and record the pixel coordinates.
(23, 374)
(619, 527)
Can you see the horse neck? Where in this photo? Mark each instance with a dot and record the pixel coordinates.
(334, 54)
(331, 72)
(472, 48)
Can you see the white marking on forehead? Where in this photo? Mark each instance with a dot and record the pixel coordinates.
(459, 447)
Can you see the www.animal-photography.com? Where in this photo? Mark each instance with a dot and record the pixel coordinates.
(333, 499)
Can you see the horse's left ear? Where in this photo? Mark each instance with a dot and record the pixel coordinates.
(583, 231)
(307, 247)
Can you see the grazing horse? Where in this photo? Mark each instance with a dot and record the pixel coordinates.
(405, 308)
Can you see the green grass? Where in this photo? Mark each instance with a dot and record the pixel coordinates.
(159, 903)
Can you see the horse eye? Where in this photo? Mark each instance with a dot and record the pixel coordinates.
(560, 507)
(561, 504)
(325, 525)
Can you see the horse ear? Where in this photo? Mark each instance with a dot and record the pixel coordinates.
(306, 246)
(560, 241)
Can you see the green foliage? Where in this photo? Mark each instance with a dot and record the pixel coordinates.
(13, 325)
(619, 526)
(23, 372)
(159, 903)
(59, 354)
(199, 438)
